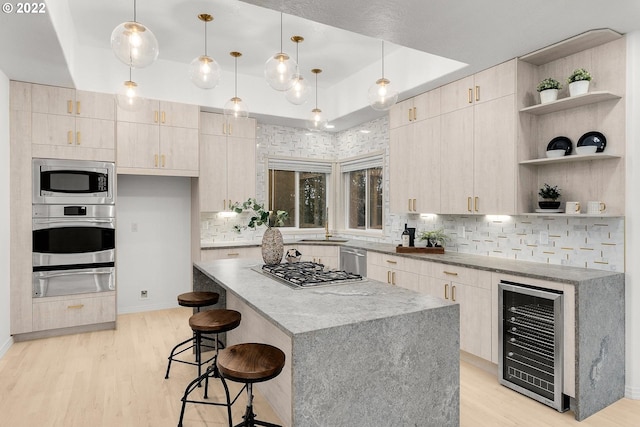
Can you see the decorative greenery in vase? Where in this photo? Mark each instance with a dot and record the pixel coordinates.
(579, 74)
(434, 238)
(548, 83)
(261, 215)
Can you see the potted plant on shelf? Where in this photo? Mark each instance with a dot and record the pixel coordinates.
(579, 82)
(549, 196)
(272, 244)
(435, 238)
(548, 89)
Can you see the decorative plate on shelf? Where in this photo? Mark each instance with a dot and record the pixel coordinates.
(593, 138)
(549, 211)
(560, 143)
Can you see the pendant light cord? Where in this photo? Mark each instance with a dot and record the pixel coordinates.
(383, 59)
(281, 32)
(205, 38)
(316, 91)
(134, 11)
(236, 77)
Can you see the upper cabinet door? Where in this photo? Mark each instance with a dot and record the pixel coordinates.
(94, 105)
(426, 105)
(212, 124)
(495, 82)
(179, 115)
(53, 100)
(148, 113)
(401, 114)
(456, 95)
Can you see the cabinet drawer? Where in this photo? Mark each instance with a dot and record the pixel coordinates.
(467, 276)
(63, 312)
(230, 253)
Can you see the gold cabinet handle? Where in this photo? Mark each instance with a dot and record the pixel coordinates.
(70, 137)
(155, 116)
(469, 204)
(75, 307)
(224, 128)
(388, 276)
(470, 96)
(409, 201)
(155, 160)
(453, 293)
(414, 205)
(233, 254)
(477, 93)
(164, 163)
(230, 129)
(393, 278)
(415, 116)
(476, 203)
(450, 273)
(69, 106)
(391, 261)
(164, 117)
(409, 111)
(78, 140)
(446, 291)
(78, 107)
(319, 260)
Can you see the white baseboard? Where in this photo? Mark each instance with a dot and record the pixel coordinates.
(147, 307)
(5, 347)
(632, 392)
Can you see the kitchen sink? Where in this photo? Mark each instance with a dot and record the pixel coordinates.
(324, 240)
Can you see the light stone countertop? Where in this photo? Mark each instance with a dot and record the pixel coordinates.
(550, 272)
(297, 311)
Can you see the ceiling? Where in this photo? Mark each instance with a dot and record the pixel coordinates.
(61, 46)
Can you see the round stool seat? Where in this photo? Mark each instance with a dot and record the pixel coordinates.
(250, 362)
(198, 299)
(215, 321)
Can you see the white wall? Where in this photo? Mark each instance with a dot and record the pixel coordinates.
(632, 229)
(5, 337)
(156, 257)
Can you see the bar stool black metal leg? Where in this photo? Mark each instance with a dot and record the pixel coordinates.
(249, 418)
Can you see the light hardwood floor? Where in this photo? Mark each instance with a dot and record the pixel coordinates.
(116, 378)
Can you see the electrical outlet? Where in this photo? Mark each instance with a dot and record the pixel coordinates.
(144, 294)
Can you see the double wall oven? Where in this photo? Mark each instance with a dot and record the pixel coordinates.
(73, 227)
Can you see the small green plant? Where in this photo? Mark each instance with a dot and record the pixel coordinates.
(435, 237)
(261, 215)
(548, 192)
(548, 83)
(579, 74)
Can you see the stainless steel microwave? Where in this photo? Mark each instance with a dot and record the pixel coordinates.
(73, 182)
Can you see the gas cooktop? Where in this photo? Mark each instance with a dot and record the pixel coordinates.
(300, 275)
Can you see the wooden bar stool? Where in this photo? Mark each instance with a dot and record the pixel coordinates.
(250, 363)
(210, 322)
(195, 300)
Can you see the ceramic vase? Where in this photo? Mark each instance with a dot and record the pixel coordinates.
(548, 95)
(272, 246)
(578, 88)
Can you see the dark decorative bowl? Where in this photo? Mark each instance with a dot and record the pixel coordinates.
(549, 205)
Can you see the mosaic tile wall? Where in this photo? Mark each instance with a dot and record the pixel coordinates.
(576, 241)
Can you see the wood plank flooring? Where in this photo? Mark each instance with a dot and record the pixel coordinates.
(116, 378)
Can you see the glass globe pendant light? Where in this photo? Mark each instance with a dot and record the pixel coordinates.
(299, 92)
(134, 44)
(382, 95)
(279, 68)
(204, 71)
(317, 122)
(235, 108)
(128, 97)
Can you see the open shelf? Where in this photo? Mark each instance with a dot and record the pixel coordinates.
(570, 102)
(570, 46)
(571, 158)
(582, 215)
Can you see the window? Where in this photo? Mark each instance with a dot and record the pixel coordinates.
(363, 189)
(301, 189)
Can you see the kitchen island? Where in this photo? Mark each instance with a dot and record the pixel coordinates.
(358, 354)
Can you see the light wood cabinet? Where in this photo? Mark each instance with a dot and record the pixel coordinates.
(478, 143)
(227, 162)
(394, 270)
(161, 138)
(64, 312)
(420, 107)
(414, 159)
(231, 253)
(327, 255)
(70, 124)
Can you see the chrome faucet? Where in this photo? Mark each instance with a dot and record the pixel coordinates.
(326, 226)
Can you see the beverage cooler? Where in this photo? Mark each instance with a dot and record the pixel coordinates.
(531, 342)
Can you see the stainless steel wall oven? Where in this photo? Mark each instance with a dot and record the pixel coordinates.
(73, 243)
(531, 342)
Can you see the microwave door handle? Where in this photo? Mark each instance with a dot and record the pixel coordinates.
(44, 275)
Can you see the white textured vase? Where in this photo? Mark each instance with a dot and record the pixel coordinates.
(272, 246)
(578, 88)
(548, 95)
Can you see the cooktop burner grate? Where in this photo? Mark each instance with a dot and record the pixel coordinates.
(308, 274)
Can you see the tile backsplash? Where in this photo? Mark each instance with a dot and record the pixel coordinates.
(591, 242)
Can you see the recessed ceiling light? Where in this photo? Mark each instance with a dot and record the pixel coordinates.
(365, 131)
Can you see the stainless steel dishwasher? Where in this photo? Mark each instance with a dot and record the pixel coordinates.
(353, 260)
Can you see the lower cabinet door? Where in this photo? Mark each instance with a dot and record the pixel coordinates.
(475, 318)
(63, 312)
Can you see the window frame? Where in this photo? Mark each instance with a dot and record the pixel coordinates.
(358, 163)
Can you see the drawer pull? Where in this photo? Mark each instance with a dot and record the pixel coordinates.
(415, 115)
(155, 116)
(450, 273)
(164, 117)
(410, 114)
(233, 254)
(469, 204)
(155, 160)
(391, 262)
(388, 276)
(70, 137)
(75, 307)
(476, 203)
(446, 291)
(164, 160)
